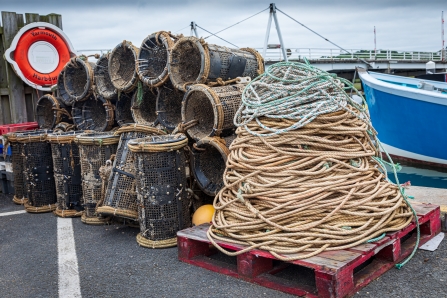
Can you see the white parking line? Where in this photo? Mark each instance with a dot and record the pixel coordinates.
(12, 213)
(69, 285)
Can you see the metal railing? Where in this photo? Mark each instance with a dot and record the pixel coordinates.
(339, 55)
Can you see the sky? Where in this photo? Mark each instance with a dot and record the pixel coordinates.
(411, 25)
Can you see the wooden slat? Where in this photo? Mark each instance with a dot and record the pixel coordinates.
(20, 22)
(53, 18)
(15, 84)
(31, 17)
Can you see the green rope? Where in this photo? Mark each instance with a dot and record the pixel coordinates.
(140, 93)
(377, 238)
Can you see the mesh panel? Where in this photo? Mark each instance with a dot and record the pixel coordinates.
(92, 114)
(123, 112)
(169, 105)
(78, 79)
(103, 83)
(69, 192)
(45, 115)
(17, 160)
(185, 62)
(39, 174)
(122, 66)
(198, 106)
(61, 92)
(92, 158)
(152, 59)
(144, 111)
(161, 182)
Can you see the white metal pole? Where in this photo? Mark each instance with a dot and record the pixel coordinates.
(375, 45)
(194, 30)
(272, 6)
(442, 37)
(267, 34)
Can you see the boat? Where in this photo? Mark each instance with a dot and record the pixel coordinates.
(410, 116)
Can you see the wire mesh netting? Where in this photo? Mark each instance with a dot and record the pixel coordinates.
(121, 197)
(94, 150)
(104, 86)
(46, 113)
(78, 78)
(38, 169)
(122, 66)
(123, 111)
(95, 113)
(193, 61)
(18, 166)
(209, 111)
(208, 161)
(144, 102)
(161, 188)
(67, 170)
(153, 58)
(169, 105)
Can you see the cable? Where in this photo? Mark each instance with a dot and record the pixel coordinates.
(217, 36)
(182, 28)
(238, 22)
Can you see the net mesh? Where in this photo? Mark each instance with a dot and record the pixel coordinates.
(62, 94)
(164, 207)
(122, 66)
(46, 117)
(78, 78)
(186, 62)
(92, 158)
(17, 161)
(144, 107)
(104, 86)
(123, 111)
(169, 105)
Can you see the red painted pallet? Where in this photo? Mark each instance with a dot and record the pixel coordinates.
(329, 274)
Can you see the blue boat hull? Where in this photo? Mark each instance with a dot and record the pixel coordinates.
(412, 128)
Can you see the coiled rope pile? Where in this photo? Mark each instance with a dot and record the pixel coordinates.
(304, 173)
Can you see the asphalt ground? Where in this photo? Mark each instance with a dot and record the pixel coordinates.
(111, 264)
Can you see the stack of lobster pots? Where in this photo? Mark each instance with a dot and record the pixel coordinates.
(153, 129)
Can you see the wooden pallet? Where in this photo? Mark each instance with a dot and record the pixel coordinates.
(329, 274)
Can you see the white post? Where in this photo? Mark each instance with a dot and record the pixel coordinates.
(375, 45)
(278, 30)
(267, 34)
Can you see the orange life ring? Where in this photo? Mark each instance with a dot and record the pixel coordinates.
(21, 55)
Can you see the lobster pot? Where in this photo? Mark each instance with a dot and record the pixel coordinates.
(123, 109)
(95, 149)
(95, 113)
(208, 161)
(103, 83)
(144, 106)
(67, 173)
(50, 111)
(64, 127)
(62, 94)
(209, 111)
(122, 66)
(192, 61)
(152, 63)
(161, 189)
(121, 198)
(17, 161)
(78, 79)
(38, 171)
(169, 106)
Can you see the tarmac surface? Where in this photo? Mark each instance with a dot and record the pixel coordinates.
(111, 264)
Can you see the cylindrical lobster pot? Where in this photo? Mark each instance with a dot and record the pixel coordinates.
(64, 127)
(123, 109)
(95, 149)
(95, 113)
(38, 171)
(169, 106)
(208, 161)
(161, 189)
(121, 198)
(78, 78)
(209, 111)
(152, 63)
(67, 173)
(192, 61)
(50, 111)
(144, 102)
(103, 83)
(62, 94)
(122, 66)
(18, 167)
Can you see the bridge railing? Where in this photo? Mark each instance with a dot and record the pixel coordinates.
(339, 55)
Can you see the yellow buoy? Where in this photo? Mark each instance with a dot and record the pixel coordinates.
(203, 214)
